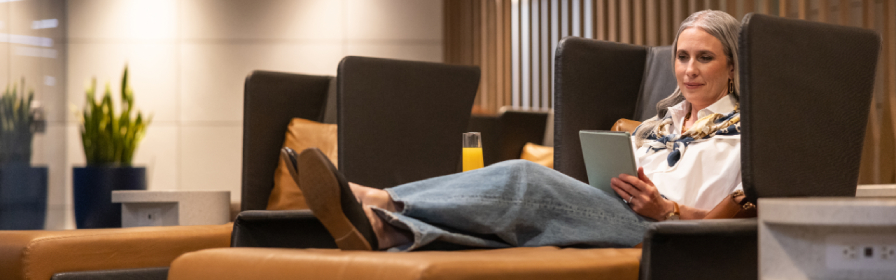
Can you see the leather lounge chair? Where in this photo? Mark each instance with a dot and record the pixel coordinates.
(793, 74)
(392, 115)
(790, 70)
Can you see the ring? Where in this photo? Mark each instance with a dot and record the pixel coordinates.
(630, 199)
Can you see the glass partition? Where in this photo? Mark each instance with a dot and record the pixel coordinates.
(32, 114)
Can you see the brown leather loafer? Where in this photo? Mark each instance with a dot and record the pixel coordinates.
(330, 198)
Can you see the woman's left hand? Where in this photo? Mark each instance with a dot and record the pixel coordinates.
(642, 195)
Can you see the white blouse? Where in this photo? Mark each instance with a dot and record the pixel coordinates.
(709, 169)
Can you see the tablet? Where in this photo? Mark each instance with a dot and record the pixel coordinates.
(607, 154)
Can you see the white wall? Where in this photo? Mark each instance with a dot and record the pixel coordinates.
(188, 60)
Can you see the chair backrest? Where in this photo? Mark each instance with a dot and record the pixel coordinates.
(599, 82)
(505, 134)
(658, 83)
(271, 100)
(401, 121)
(805, 95)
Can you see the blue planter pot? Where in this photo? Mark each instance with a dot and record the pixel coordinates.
(23, 196)
(93, 186)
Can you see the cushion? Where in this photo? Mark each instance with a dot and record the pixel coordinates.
(544, 155)
(300, 135)
(539, 154)
(38, 254)
(625, 125)
(510, 263)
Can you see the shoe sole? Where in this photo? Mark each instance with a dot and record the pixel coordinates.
(322, 192)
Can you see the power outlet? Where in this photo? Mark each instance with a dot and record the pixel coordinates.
(149, 216)
(861, 252)
(888, 252)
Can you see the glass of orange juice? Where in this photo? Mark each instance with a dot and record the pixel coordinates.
(472, 155)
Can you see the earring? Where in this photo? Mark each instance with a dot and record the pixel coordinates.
(730, 86)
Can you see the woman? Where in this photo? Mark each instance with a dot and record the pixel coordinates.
(691, 148)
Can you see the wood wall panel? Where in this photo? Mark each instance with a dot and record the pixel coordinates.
(843, 8)
(824, 11)
(889, 66)
(513, 42)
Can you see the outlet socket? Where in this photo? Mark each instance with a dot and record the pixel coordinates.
(861, 252)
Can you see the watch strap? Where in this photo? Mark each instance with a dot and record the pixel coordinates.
(675, 212)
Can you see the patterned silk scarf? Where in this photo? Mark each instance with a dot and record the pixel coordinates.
(706, 127)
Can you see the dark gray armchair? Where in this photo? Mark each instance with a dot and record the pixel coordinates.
(399, 121)
(794, 75)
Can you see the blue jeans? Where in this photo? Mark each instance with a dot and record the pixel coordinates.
(512, 204)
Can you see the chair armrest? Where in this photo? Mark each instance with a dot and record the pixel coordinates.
(280, 229)
(718, 249)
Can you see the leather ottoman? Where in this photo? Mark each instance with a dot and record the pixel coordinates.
(39, 254)
(511, 263)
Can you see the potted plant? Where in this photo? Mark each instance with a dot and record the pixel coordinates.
(23, 188)
(109, 139)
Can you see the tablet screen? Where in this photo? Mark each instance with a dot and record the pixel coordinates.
(607, 154)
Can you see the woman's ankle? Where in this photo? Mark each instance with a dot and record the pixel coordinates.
(375, 197)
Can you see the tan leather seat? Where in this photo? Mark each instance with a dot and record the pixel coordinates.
(38, 254)
(511, 263)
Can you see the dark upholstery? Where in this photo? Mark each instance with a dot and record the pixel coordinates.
(155, 273)
(401, 121)
(807, 91)
(599, 82)
(702, 249)
(658, 82)
(505, 134)
(280, 229)
(271, 100)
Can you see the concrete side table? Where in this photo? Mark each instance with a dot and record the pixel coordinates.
(170, 208)
(876, 190)
(827, 238)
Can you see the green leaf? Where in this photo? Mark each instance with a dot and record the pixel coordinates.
(110, 136)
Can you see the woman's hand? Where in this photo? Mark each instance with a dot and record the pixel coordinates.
(642, 195)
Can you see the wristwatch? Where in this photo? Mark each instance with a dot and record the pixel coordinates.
(675, 215)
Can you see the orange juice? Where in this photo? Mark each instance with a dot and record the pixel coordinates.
(472, 159)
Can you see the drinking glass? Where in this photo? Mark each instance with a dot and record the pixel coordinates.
(472, 155)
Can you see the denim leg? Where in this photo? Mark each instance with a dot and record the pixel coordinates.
(513, 203)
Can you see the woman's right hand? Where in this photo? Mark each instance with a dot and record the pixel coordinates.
(642, 195)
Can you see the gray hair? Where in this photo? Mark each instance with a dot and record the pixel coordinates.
(720, 25)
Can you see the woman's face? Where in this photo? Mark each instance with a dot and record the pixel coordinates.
(701, 67)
